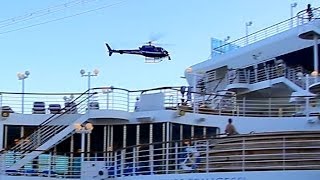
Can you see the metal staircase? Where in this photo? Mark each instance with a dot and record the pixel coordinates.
(51, 132)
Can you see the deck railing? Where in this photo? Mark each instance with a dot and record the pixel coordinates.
(300, 19)
(124, 100)
(297, 75)
(260, 152)
(13, 100)
(261, 74)
(50, 127)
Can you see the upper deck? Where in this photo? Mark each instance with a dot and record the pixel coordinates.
(273, 41)
(158, 99)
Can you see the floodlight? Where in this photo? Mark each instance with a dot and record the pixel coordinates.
(96, 71)
(82, 71)
(89, 126)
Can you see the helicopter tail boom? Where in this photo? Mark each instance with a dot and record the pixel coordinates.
(109, 49)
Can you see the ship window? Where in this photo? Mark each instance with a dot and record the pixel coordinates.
(118, 137)
(186, 131)
(131, 135)
(77, 143)
(221, 72)
(144, 139)
(28, 130)
(175, 132)
(211, 76)
(144, 133)
(64, 146)
(157, 132)
(159, 152)
(212, 132)
(12, 135)
(198, 131)
(216, 74)
(97, 138)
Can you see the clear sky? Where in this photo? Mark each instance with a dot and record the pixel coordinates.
(55, 52)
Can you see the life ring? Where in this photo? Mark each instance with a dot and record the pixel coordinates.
(190, 158)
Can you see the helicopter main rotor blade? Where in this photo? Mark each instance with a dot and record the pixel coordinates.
(155, 37)
(163, 44)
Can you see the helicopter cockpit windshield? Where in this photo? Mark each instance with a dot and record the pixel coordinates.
(147, 47)
(159, 49)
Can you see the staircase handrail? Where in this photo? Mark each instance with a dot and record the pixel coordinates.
(69, 109)
(66, 110)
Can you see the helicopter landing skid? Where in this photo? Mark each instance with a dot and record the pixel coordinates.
(152, 60)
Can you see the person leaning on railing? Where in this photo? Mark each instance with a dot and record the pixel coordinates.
(230, 129)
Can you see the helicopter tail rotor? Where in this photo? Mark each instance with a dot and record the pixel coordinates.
(109, 49)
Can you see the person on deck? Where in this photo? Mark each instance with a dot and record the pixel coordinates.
(309, 12)
(137, 104)
(230, 129)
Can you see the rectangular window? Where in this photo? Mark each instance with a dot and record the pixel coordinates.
(13, 135)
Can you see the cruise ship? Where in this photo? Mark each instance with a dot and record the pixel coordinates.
(264, 87)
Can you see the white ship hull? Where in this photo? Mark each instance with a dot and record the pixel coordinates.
(259, 175)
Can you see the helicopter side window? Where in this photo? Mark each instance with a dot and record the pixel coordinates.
(147, 48)
(159, 49)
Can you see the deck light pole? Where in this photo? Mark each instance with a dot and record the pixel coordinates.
(83, 129)
(106, 91)
(315, 72)
(247, 31)
(292, 6)
(22, 77)
(89, 75)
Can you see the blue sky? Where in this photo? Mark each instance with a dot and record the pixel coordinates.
(55, 52)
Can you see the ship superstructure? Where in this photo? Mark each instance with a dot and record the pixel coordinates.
(266, 82)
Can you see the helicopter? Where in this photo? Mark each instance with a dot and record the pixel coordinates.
(148, 50)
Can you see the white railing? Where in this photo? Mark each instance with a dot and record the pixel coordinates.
(14, 100)
(121, 99)
(261, 107)
(48, 128)
(46, 165)
(301, 18)
(257, 75)
(296, 75)
(305, 17)
(124, 100)
(296, 150)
